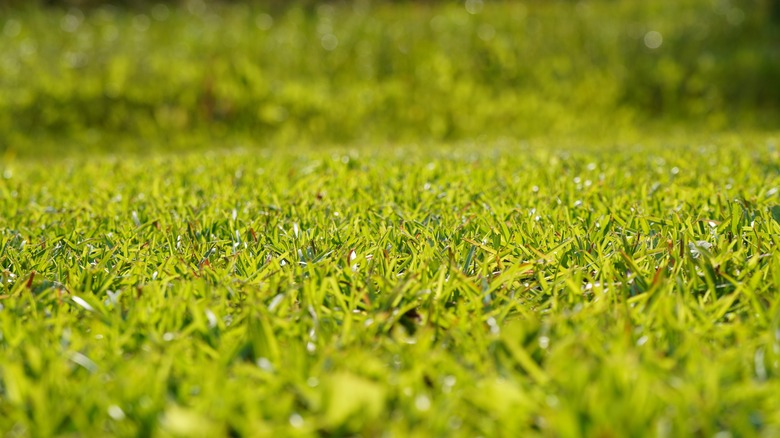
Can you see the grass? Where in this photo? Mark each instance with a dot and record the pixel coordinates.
(373, 73)
(208, 227)
(519, 289)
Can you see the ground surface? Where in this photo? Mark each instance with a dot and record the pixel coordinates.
(477, 290)
(596, 280)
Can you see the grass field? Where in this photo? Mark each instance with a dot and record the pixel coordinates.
(507, 290)
(449, 219)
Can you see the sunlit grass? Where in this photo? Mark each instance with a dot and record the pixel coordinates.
(516, 289)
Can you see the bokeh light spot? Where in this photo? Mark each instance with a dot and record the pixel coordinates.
(160, 12)
(72, 20)
(141, 23)
(653, 39)
(12, 28)
(735, 16)
(486, 32)
(474, 6)
(264, 21)
(329, 42)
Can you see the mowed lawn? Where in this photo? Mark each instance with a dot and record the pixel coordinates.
(487, 289)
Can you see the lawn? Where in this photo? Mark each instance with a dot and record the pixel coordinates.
(518, 289)
(185, 259)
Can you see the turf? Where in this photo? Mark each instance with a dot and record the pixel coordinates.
(447, 219)
(518, 289)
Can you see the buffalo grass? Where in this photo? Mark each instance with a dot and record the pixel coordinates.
(488, 289)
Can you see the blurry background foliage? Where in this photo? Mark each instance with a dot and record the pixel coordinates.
(92, 75)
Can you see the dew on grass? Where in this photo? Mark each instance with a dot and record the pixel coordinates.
(116, 413)
(448, 382)
(695, 247)
(10, 276)
(296, 420)
(80, 301)
(265, 364)
(313, 382)
(212, 318)
(168, 336)
(83, 361)
(275, 302)
(422, 402)
(544, 342)
(113, 298)
(494, 328)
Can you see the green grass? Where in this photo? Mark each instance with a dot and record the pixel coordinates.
(185, 77)
(207, 227)
(516, 289)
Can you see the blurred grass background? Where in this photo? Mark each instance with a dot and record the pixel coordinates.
(92, 76)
